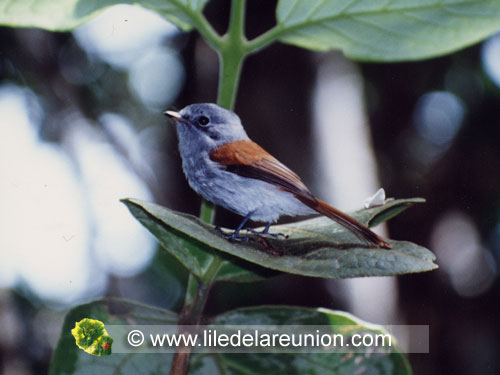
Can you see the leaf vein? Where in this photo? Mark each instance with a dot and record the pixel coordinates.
(456, 12)
(347, 7)
(381, 10)
(291, 10)
(315, 9)
(348, 37)
(416, 17)
(397, 33)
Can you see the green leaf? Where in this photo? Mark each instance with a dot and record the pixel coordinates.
(59, 15)
(69, 359)
(317, 247)
(381, 30)
(237, 270)
(195, 256)
(391, 363)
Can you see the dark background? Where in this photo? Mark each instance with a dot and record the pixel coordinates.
(464, 177)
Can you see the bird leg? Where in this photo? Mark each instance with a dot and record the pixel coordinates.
(234, 236)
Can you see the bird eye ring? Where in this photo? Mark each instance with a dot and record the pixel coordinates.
(203, 120)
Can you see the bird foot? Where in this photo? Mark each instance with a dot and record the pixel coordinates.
(259, 239)
(233, 236)
(266, 233)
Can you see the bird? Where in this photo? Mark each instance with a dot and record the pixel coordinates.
(223, 165)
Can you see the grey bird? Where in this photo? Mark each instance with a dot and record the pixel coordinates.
(226, 167)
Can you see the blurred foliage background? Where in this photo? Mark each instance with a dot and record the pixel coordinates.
(82, 126)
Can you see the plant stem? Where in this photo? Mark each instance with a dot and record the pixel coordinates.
(231, 55)
(204, 28)
(207, 211)
(231, 51)
(192, 312)
(263, 40)
(230, 68)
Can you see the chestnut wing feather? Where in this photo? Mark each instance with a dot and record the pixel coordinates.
(246, 158)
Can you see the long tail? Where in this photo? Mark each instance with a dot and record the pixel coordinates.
(348, 222)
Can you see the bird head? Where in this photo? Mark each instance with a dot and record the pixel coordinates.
(207, 125)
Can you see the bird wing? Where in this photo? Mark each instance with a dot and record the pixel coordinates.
(246, 158)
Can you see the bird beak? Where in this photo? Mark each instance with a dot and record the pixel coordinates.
(173, 115)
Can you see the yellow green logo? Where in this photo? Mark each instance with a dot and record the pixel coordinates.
(91, 336)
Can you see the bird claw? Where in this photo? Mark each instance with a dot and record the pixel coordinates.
(233, 236)
(264, 233)
(259, 239)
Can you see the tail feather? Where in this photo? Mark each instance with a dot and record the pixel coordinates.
(348, 222)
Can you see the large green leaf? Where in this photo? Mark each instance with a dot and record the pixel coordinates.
(58, 15)
(390, 363)
(69, 359)
(381, 30)
(195, 255)
(317, 247)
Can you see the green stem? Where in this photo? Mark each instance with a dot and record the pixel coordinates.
(232, 54)
(196, 297)
(263, 40)
(230, 68)
(232, 50)
(207, 211)
(191, 290)
(203, 288)
(204, 28)
(236, 28)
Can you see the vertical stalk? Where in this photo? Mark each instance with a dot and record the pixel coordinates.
(207, 211)
(230, 69)
(231, 55)
(231, 50)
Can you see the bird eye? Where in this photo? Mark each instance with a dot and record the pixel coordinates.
(203, 120)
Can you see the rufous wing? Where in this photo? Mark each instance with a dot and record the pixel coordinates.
(246, 158)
